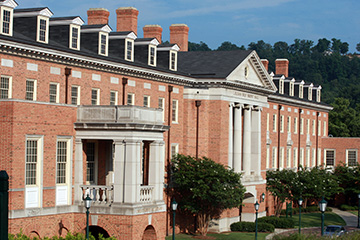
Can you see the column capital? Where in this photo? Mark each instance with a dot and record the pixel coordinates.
(258, 108)
(248, 107)
(78, 140)
(158, 142)
(238, 105)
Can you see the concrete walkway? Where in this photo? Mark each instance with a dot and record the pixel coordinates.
(350, 219)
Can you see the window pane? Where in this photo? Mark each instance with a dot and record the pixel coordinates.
(61, 162)
(94, 96)
(112, 98)
(30, 162)
(74, 37)
(90, 161)
(53, 92)
(6, 22)
(74, 95)
(42, 30)
(4, 87)
(29, 90)
(330, 157)
(351, 158)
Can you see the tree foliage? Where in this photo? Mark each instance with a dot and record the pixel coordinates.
(205, 188)
(349, 180)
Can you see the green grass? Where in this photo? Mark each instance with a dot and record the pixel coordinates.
(226, 236)
(354, 212)
(314, 219)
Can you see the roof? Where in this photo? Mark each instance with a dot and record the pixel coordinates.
(211, 64)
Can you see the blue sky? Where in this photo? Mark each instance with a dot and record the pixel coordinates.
(237, 21)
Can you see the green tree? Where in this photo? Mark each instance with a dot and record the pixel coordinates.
(342, 118)
(227, 46)
(205, 188)
(323, 45)
(198, 46)
(349, 180)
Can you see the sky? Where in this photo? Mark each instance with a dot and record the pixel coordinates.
(238, 21)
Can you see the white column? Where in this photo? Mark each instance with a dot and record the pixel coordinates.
(256, 141)
(79, 172)
(231, 136)
(237, 138)
(247, 141)
(132, 171)
(119, 171)
(157, 168)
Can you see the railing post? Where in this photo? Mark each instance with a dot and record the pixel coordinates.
(4, 204)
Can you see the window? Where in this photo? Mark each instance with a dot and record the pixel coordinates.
(288, 157)
(175, 111)
(301, 156)
(75, 37)
(152, 55)
(30, 90)
(5, 87)
(308, 126)
(313, 127)
(324, 129)
(130, 99)
(308, 157)
(267, 156)
(310, 94)
(113, 98)
(314, 157)
(62, 158)
(43, 26)
(54, 92)
(282, 123)
(267, 122)
(274, 123)
(129, 46)
(301, 126)
(146, 101)
(301, 91)
(6, 21)
(173, 60)
(295, 125)
(162, 107)
(145, 163)
(281, 157)
(75, 95)
(351, 157)
(319, 127)
(281, 86)
(90, 162)
(288, 124)
(103, 44)
(318, 95)
(295, 157)
(330, 157)
(95, 100)
(274, 157)
(174, 149)
(31, 164)
(291, 88)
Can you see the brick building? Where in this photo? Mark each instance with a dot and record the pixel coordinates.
(88, 110)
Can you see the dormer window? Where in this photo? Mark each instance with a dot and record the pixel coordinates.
(43, 29)
(103, 44)
(291, 90)
(129, 50)
(75, 37)
(281, 86)
(310, 93)
(152, 55)
(6, 21)
(173, 60)
(301, 91)
(318, 94)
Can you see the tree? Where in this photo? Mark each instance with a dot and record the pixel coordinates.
(342, 119)
(205, 188)
(358, 47)
(198, 46)
(349, 180)
(227, 46)
(323, 45)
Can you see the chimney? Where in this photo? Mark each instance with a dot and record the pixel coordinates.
(179, 34)
(98, 16)
(126, 19)
(282, 67)
(265, 62)
(153, 31)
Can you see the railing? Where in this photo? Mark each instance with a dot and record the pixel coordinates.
(146, 193)
(99, 194)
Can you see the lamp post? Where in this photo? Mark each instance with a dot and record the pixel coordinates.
(300, 201)
(87, 201)
(322, 206)
(262, 197)
(173, 207)
(256, 218)
(358, 225)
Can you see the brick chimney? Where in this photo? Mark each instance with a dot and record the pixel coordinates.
(179, 34)
(153, 31)
(126, 19)
(98, 16)
(265, 62)
(282, 67)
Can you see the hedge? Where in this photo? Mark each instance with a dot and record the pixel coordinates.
(345, 207)
(250, 227)
(278, 222)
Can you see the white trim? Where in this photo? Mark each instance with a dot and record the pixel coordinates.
(11, 23)
(9, 3)
(10, 85)
(71, 27)
(76, 21)
(147, 97)
(116, 97)
(131, 36)
(105, 29)
(162, 107)
(174, 47)
(57, 97)
(155, 55)
(175, 147)
(347, 156)
(132, 99)
(325, 160)
(154, 42)
(44, 12)
(97, 96)
(171, 54)
(129, 41)
(106, 44)
(176, 120)
(64, 188)
(35, 89)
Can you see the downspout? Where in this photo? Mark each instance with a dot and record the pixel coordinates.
(299, 132)
(197, 105)
(317, 137)
(278, 150)
(67, 74)
(170, 89)
(124, 82)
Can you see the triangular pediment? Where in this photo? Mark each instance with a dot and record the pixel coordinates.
(252, 72)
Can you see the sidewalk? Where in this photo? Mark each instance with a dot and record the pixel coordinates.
(349, 218)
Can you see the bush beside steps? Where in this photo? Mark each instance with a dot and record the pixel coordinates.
(250, 227)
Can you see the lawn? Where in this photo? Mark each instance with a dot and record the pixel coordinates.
(314, 219)
(226, 236)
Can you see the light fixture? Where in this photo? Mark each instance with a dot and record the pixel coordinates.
(263, 197)
(300, 201)
(174, 205)
(256, 205)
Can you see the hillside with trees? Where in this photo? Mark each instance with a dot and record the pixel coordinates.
(326, 63)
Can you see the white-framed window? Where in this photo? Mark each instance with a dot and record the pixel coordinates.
(74, 37)
(5, 87)
(310, 93)
(30, 93)
(318, 95)
(162, 107)
(130, 99)
(313, 157)
(174, 149)
(152, 55)
(313, 127)
(308, 157)
(281, 86)
(302, 126)
(301, 91)
(274, 122)
(301, 156)
(308, 126)
(281, 123)
(295, 158)
(62, 161)
(173, 60)
(95, 96)
(42, 29)
(54, 89)
(146, 101)
(113, 98)
(75, 95)
(274, 157)
(288, 124)
(91, 162)
(291, 90)
(129, 50)
(175, 111)
(329, 157)
(267, 156)
(6, 21)
(319, 128)
(281, 157)
(324, 129)
(288, 157)
(319, 157)
(267, 122)
(103, 44)
(295, 125)
(351, 157)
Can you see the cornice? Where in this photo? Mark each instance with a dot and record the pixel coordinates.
(299, 103)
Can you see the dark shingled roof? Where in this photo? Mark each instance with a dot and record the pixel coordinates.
(120, 33)
(93, 26)
(211, 64)
(37, 9)
(64, 18)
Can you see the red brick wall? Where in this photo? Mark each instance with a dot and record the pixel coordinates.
(340, 145)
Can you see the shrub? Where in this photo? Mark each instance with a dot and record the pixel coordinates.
(345, 207)
(278, 222)
(250, 227)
